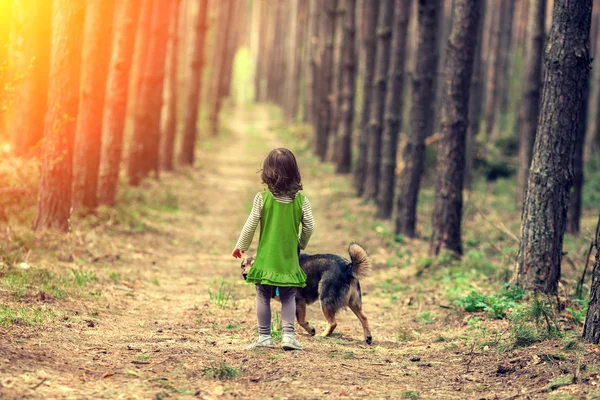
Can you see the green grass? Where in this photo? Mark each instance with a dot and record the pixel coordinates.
(22, 281)
(559, 382)
(223, 297)
(276, 328)
(220, 371)
(28, 316)
(410, 394)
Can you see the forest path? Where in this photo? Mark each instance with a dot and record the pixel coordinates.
(159, 334)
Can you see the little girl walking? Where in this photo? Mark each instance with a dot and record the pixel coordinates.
(280, 210)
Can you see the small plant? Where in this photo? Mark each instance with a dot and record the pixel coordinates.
(425, 318)
(570, 343)
(220, 371)
(144, 357)
(82, 277)
(223, 297)
(276, 328)
(114, 277)
(410, 394)
(531, 323)
(29, 316)
(559, 382)
(446, 258)
(233, 326)
(404, 335)
(155, 282)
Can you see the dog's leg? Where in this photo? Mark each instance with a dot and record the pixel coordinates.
(329, 314)
(301, 317)
(357, 310)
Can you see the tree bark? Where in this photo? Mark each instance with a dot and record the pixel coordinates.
(532, 84)
(194, 89)
(505, 58)
(97, 35)
(344, 159)
(423, 95)
(337, 83)
(54, 195)
(326, 76)
(493, 65)
(475, 101)
(543, 222)
(371, 13)
(33, 22)
(447, 214)
(574, 210)
(394, 107)
(172, 93)
(312, 44)
(144, 149)
(591, 328)
(379, 88)
(259, 76)
(594, 129)
(291, 79)
(316, 14)
(115, 101)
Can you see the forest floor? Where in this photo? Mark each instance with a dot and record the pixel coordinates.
(145, 301)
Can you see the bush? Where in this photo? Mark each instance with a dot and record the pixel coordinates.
(497, 304)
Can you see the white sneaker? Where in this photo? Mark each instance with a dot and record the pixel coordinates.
(289, 342)
(261, 341)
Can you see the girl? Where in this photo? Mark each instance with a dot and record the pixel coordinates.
(280, 211)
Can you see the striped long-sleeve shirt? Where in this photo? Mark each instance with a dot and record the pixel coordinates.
(308, 222)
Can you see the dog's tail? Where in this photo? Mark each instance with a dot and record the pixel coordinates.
(361, 262)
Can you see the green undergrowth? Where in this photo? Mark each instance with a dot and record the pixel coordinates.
(26, 315)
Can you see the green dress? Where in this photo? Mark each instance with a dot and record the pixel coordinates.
(276, 261)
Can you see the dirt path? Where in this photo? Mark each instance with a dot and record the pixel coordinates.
(158, 333)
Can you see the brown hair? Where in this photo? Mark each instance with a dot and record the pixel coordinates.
(281, 174)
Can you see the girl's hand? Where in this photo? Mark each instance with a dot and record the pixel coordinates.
(237, 253)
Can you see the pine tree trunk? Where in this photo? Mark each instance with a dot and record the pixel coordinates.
(97, 34)
(423, 95)
(543, 223)
(144, 149)
(591, 328)
(493, 69)
(394, 107)
(574, 210)
(344, 159)
(371, 13)
(505, 57)
(220, 69)
(530, 97)
(337, 82)
(194, 88)
(447, 214)
(594, 129)
(312, 37)
(172, 93)
(34, 22)
(291, 78)
(316, 14)
(303, 64)
(259, 76)
(236, 26)
(54, 195)
(475, 101)
(115, 102)
(326, 76)
(379, 88)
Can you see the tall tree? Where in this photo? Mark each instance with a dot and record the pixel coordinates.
(530, 97)
(447, 214)
(194, 88)
(262, 50)
(591, 328)
(312, 82)
(421, 126)
(115, 101)
(594, 128)
(172, 93)
(344, 159)
(222, 33)
(33, 25)
(543, 222)
(371, 13)
(475, 100)
(97, 33)
(493, 66)
(337, 83)
(379, 88)
(504, 53)
(291, 73)
(54, 195)
(327, 32)
(394, 106)
(144, 148)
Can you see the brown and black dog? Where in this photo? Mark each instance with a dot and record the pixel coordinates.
(334, 281)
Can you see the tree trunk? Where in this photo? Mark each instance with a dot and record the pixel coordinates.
(543, 223)
(532, 84)
(326, 76)
(344, 159)
(505, 57)
(371, 13)
(311, 69)
(34, 29)
(115, 101)
(54, 195)
(259, 74)
(236, 26)
(591, 328)
(574, 208)
(172, 94)
(337, 83)
(316, 14)
(194, 88)
(493, 69)
(220, 68)
(447, 214)
(144, 149)
(475, 101)
(291, 79)
(394, 107)
(97, 35)
(302, 61)
(376, 114)
(423, 95)
(594, 129)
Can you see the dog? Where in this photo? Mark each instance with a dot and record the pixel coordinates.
(334, 281)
